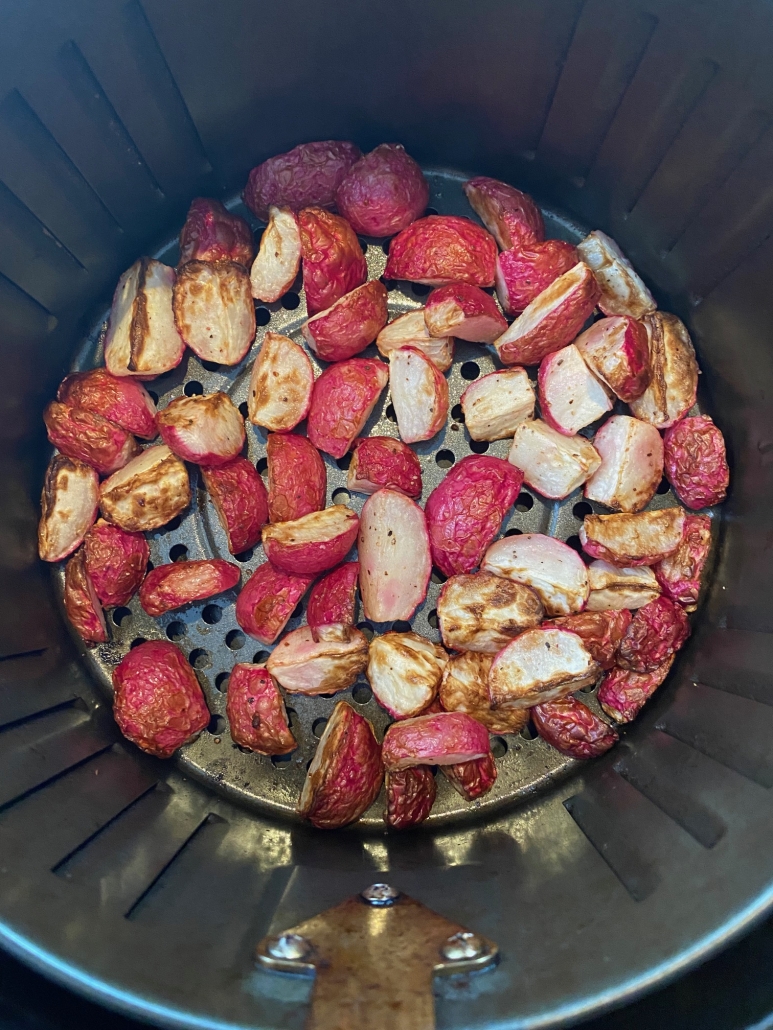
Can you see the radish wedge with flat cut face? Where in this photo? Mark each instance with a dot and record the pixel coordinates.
(616, 350)
(613, 588)
(464, 311)
(167, 587)
(552, 569)
(540, 665)
(443, 738)
(410, 330)
(553, 464)
(496, 404)
(674, 372)
(208, 430)
(631, 464)
(240, 499)
(464, 688)
(148, 492)
(297, 478)
(214, 311)
(142, 338)
(274, 269)
(313, 543)
(68, 503)
(319, 660)
(256, 712)
(644, 538)
(510, 215)
(622, 291)
(404, 671)
(395, 562)
(84, 435)
(281, 384)
(343, 398)
(419, 395)
(570, 396)
(483, 612)
(81, 602)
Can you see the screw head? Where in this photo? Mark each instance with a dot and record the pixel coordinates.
(462, 945)
(380, 895)
(289, 946)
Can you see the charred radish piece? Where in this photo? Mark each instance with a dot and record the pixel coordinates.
(680, 575)
(657, 631)
(381, 461)
(333, 262)
(465, 511)
(613, 588)
(332, 599)
(256, 712)
(419, 395)
(496, 404)
(551, 320)
(346, 773)
(274, 269)
(280, 385)
(297, 479)
(523, 273)
(147, 493)
(626, 540)
(207, 429)
(623, 693)
(631, 464)
(142, 338)
(172, 586)
(319, 660)
(601, 632)
(484, 612)
(88, 437)
(394, 553)
(673, 384)
(267, 600)
(555, 572)
(443, 249)
(384, 192)
(570, 396)
(540, 665)
(308, 174)
(404, 670)
(410, 796)
(240, 500)
(116, 562)
(352, 323)
(68, 504)
(571, 728)
(616, 350)
(343, 398)
(212, 233)
(81, 602)
(622, 291)
(465, 312)
(696, 463)
(410, 330)
(472, 779)
(213, 310)
(122, 401)
(552, 463)
(464, 688)
(313, 543)
(445, 738)
(510, 216)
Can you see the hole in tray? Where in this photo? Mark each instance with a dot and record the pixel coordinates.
(419, 289)
(663, 487)
(525, 502)
(470, 370)
(389, 284)
(498, 747)
(575, 543)
(430, 211)
(211, 366)
(221, 681)
(217, 725)
(173, 523)
(341, 496)
(589, 689)
(457, 414)
(260, 657)
(281, 761)
(212, 614)
(529, 732)
(244, 556)
(401, 626)
(235, 639)
(179, 552)
(363, 244)
(262, 465)
(479, 446)
(153, 396)
(344, 463)
(514, 532)
(193, 388)
(432, 619)
(581, 509)
(367, 629)
(200, 659)
(444, 459)
(361, 693)
(136, 642)
(297, 611)
(175, 630)
(390, 413)
(385, 246)
(262, 316)
(120, 615)
(243, 409)
(290, 301)
(318, 727)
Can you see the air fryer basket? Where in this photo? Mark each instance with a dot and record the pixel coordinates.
(146, 885)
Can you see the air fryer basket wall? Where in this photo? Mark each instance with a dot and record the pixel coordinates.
(126, 880)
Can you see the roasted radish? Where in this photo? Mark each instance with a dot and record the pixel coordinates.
(483, 612)
(256, 712)
(274, 269)
(116, 562)
(68, 504)
(465, 312)
(622, 693)
(464, 688)
(267, 600)
(212, 233)
(313, 543)
(213, 310)
(333, 262)
(570, 396)
(410, 330)
(510, 216)
(171, 586)
(622, 291)
(281, 383)
(207, 429)
(121, 400)
(496, 404)
(142, 338)
(382, 461)
(616, 350)
(383, 192)
(644, 538)
(523, 273)
(673, 384)
(444, 738)
(571, 728)
(657, 631)
(410, 796)
(696, 463)
(343, 398)
(308, 174)
(297, 480)
(601, 632)
(631, 464)
(332, 599)
(614, 588)
(350, 324)
(680, 574)
(81, 602)
(442, 249)
(86, 436)
(551, 568)
(419, 395)
(147, 493)
(319, 660)
(540, 665)
(240, 500)
(472, 779)
(552, 464)
(404, 671)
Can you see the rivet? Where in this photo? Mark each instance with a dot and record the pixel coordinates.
(380, 895)
(290, 946)
(462, 945)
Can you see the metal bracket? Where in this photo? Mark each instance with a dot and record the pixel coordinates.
(374, 957)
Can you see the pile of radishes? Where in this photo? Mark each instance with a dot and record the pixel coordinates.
(524, 621)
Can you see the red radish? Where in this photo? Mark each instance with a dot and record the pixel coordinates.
(674, 372)
(572, 728)
(404, 671)
(207, 429)
(116, 562)
(680, 574)
(601, 632)
(465, 511)
(419, 395)
(274, 269)
(696, 462)
(622, 291)
(281, 384)
(256, 712)
(442, 249)
(622, 693)
(540, 665)
(381, 461)
(333, 262)
(212, 233)
(313, 543)
(552, 319)
(267, 600)
(350, 324)
(551, 568)
(384, 192)
(570, 396)
(346, 773)
(343, 398)
(240, 500)
(308, 174)
(644, 538)
(395, 562)
(297, 479)
(171, 586)
(410, 796)
(657, 631)
(483, 612)
(510, 216)
(86, 436)
(631, 464)
(81, 602)
(147, 493)
(523, 273)
(120, 400)
(444, 738)
(214, 311)
(332, 599)
(472, 779)
(463, 311)
(616, 350)
(410, 330)
(464, 688)
(497, 403)
(142, 338)
(613, 588)
(552, 464)
(68, 504)
(319, 660)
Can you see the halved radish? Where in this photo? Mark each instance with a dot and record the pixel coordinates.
(280, 385)
(612, 588)
(214, 311)
(279, 258)
(551, 568)
(497, 403)
(444, 738)
(68, 505)
(622, 291)
(570, 396)
(483, 612)
(540, 665)
(631, 464)
(404, 670)
(142, 338)
(464, 311)
(552, 464)
(644, 538)
(313, 543)
(419, 394)
(208, 430)
(319, 660)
